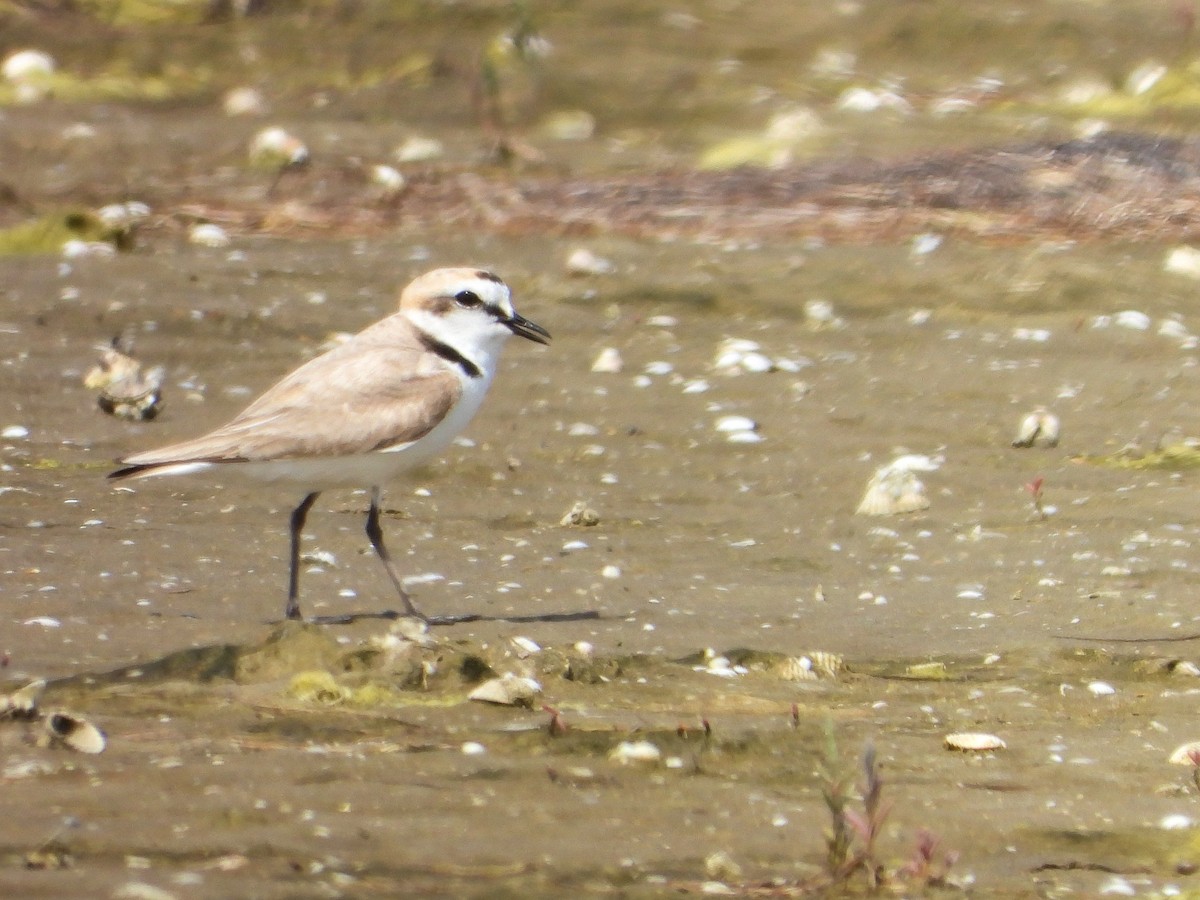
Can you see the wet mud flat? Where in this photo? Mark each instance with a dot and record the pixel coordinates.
(974, 615)
(728, 620)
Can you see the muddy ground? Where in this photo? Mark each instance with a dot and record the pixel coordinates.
(234, 767)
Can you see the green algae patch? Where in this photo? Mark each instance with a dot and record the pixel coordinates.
(49, 233)
(1171, 457)
(293, 647)
(147, 12)
(173, 83)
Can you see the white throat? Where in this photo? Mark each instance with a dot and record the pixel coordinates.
(474, 336)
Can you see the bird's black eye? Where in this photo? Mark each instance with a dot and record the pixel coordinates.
(467, 299)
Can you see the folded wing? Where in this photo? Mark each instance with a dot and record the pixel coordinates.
(363, 396)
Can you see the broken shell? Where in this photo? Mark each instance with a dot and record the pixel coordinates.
(76, 249)
(1038, 427)
(810, 667)
(22, 704)
(630, 752)
(1183, 261)
(125, 390)
(720, 865)
(609, 362)
(581, 514)
(244, 101)
(1133, 319)
(757, 363)
(972, 741)
(796, 668)
(916, 462)
(508, 690)
(585, 262)
(1186, 754)
(123, 216)
(208, 235)
(24, 65)
(419, 149)
(821, 315)
(389, 180)
(728, 424)
(570, 125)
(1101, 689)
(75, 732)
(744, 437)
(826, 663)
(893, 491)
(526, 646)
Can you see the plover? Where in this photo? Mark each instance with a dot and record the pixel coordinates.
(364, 412)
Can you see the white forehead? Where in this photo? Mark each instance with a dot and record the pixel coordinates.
(434, 288)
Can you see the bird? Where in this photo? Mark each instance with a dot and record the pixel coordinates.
(364, 412)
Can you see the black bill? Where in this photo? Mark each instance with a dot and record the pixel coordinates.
(518, 324)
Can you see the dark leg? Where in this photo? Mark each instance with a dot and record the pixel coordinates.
(375, 533)
(299, 514)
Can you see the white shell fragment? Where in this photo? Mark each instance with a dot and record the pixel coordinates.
(206, 234)
(74, 732)
(525, 646)
(821, 315)
(973, 742)
(1101, 689)
(1038, 428)
(740, 355)
(1183, 261)
(811, 666)
(244, 101)
(1175, 822)
(508, 690)
(739, 429)
(633, 752)
(727, 424)
(1186, 754)
(570, 125)
(31, 72)
(27, 65)
(585, 262)
(77, 249)
(1134, 319)
(419, 149)
(895, 489)
(126, 390)
(608, 362)
(389, 180)
(123, 216)
(721, 666)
